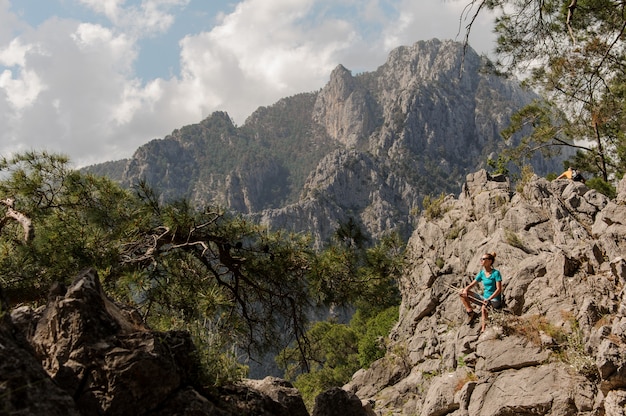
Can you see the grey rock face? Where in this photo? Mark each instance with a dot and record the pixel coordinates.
(82, 354)
(282, 392)
(418, 117)
(558, 347)
(25, 388)
(346, 109)
(338, 402)
(367, 146)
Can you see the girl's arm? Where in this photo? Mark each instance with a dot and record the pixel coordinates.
(468, 287)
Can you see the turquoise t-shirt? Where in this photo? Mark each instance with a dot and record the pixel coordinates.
(489, 282)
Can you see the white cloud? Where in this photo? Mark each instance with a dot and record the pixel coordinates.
(110, 8)
(71, 86)
(15, 53)
(87, 73)
(260, 53)
(135, 98)
(20, 85)
(444, 19)
(101, 46)
(21, 91)
(149, 18)
(8, 22)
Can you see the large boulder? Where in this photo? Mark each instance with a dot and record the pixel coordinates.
(339, 402)
(25, 388)
(82, 354)
(543, 390)
(282, 392)
(107, 361)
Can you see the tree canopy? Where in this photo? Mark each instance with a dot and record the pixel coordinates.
(574, 53)
(234, 284)
(337, 350)
(56, 222)
(174, 263)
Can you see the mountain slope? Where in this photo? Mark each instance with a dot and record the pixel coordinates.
(558, 347)
(369, 146)
(413, 127)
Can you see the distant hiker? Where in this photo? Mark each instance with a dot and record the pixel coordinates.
(572, 174)
(492, 293)
(567, 174)
(577, 176)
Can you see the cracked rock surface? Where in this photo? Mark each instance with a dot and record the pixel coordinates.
(558, 348)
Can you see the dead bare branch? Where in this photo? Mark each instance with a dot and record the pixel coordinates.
(570, 14)
(21, 218)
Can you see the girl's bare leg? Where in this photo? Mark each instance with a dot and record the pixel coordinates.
(467, 300)
(483, 320)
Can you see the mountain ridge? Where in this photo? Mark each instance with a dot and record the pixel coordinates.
(419, 123)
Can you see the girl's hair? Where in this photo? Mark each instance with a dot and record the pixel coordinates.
(492, 256)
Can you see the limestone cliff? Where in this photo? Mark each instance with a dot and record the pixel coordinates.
(411, 128)
(558, 346)
(368, 146)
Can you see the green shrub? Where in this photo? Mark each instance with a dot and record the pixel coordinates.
(334, 359)
(525, 177)
(372, 344)
(439, 262)
(513, 240)
(569, 345)
(500, 165)
(455, 232)
(576, 355)
(433, 207)
(216, 357)
(602, 186)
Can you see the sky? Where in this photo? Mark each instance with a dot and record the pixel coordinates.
(96, 79)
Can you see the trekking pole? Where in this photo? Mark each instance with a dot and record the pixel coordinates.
(471, 295)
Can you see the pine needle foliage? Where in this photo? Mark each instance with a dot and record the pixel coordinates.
(240, 289)
(573, 53)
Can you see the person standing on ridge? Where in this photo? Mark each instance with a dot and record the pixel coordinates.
(492, 293)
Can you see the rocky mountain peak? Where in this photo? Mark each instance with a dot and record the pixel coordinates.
(431, 60)
(342, 82)
(420, 123)
(428, 111)
(346, 109)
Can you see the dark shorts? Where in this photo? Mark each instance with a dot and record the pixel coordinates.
(479, 299)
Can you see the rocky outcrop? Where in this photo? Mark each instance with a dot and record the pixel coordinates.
(346, 109)
(25, 388)
(82, 354)
(281, 392)
(244, 185)
(558, 348)
(338, 402)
